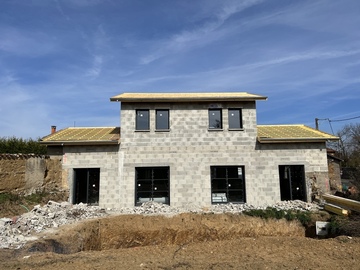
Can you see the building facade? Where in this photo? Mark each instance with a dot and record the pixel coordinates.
(198, 149)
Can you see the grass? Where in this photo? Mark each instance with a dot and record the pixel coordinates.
(13, 204)
(304, 217)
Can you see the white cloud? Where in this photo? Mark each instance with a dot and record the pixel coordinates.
(95, 70)
(199, 36)
(25, 43)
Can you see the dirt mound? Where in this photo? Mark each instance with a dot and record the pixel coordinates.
(127, 231)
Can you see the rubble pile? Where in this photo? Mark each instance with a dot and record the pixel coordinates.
(16, 231)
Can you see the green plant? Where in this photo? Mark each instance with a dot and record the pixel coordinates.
(37, 197)
(13, 145)
(303, 217)
(8, 197)
(334, 225)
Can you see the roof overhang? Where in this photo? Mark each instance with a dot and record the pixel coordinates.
(73, 143)
(293, 140)
(186, 97)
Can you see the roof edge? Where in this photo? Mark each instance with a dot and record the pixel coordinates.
(187, 97)
(65, 143)
(293, 140)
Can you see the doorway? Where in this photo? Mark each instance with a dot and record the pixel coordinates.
(86, 186)
(292, 182)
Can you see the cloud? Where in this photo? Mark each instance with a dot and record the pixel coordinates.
(25, 43)
(199, 36)
(95, 70)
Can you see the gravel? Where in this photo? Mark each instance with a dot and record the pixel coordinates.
(16, 231)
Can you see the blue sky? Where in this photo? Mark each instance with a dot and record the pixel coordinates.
(61, 60)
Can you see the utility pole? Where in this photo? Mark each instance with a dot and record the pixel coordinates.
(317, 123)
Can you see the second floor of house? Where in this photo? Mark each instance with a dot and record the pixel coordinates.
(182, 118)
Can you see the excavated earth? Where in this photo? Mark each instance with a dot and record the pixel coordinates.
(201, 240)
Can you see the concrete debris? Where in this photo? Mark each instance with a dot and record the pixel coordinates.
(16, 231)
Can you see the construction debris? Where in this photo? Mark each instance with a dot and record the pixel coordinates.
(16, 231)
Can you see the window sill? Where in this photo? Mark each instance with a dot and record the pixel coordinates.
(215, 129)
(162, 130)
(236, 129)
(142, 130)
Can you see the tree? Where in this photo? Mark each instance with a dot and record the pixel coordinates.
(13, 145)
(348, 150)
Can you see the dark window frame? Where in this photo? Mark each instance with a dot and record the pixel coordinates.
(153, 183)
(212, 119)
(238, 121)
(138, 124)
(227, 184)
(158, 124)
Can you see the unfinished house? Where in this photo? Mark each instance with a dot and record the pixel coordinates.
(191, 148)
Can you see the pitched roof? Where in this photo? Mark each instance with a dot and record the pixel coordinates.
(291, 133)
(83, 135)
(111, 135)
(186, 97)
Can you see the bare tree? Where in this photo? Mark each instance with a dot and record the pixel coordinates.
(348, 150)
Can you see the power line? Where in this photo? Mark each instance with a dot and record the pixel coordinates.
(329, 120)
(340, 120)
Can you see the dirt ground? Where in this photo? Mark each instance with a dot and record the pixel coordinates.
(186, 241)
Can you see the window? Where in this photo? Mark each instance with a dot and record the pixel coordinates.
(162, 119)
(227, 184)
(152, 184)
(215, 119)
(235, 119)
(142, 120)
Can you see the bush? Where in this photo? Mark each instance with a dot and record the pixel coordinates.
(13, 145)
(303, 217)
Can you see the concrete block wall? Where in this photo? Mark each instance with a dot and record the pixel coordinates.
(106, 158)
(266, 188)
(189, 149)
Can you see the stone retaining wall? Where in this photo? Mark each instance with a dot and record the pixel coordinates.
(27, 173)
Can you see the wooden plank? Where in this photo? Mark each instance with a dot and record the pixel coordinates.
(336, 209)
(342, 202)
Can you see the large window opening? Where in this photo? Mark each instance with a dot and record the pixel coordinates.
(215, 119)
(292, 182)
(142, 120)
(86, 186)
(162, 119)
(227, 184)
(235, 119)
(152, 184)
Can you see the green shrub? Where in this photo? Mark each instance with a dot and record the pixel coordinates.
(13, 145)
(303, 217)
(8, 197)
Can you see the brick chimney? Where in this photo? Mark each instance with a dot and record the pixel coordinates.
(53, 129)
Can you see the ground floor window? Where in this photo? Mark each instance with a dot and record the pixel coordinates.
(152, 184)
(292, 182)
(227, 184)
(86, 186)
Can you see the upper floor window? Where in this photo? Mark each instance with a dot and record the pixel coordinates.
(162, 119)
(142, 120)
(235, 119)
(215, 119)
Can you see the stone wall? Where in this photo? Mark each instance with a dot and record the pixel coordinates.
(26, 174)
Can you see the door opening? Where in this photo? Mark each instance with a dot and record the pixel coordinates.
(86, 186)
(292, 182)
